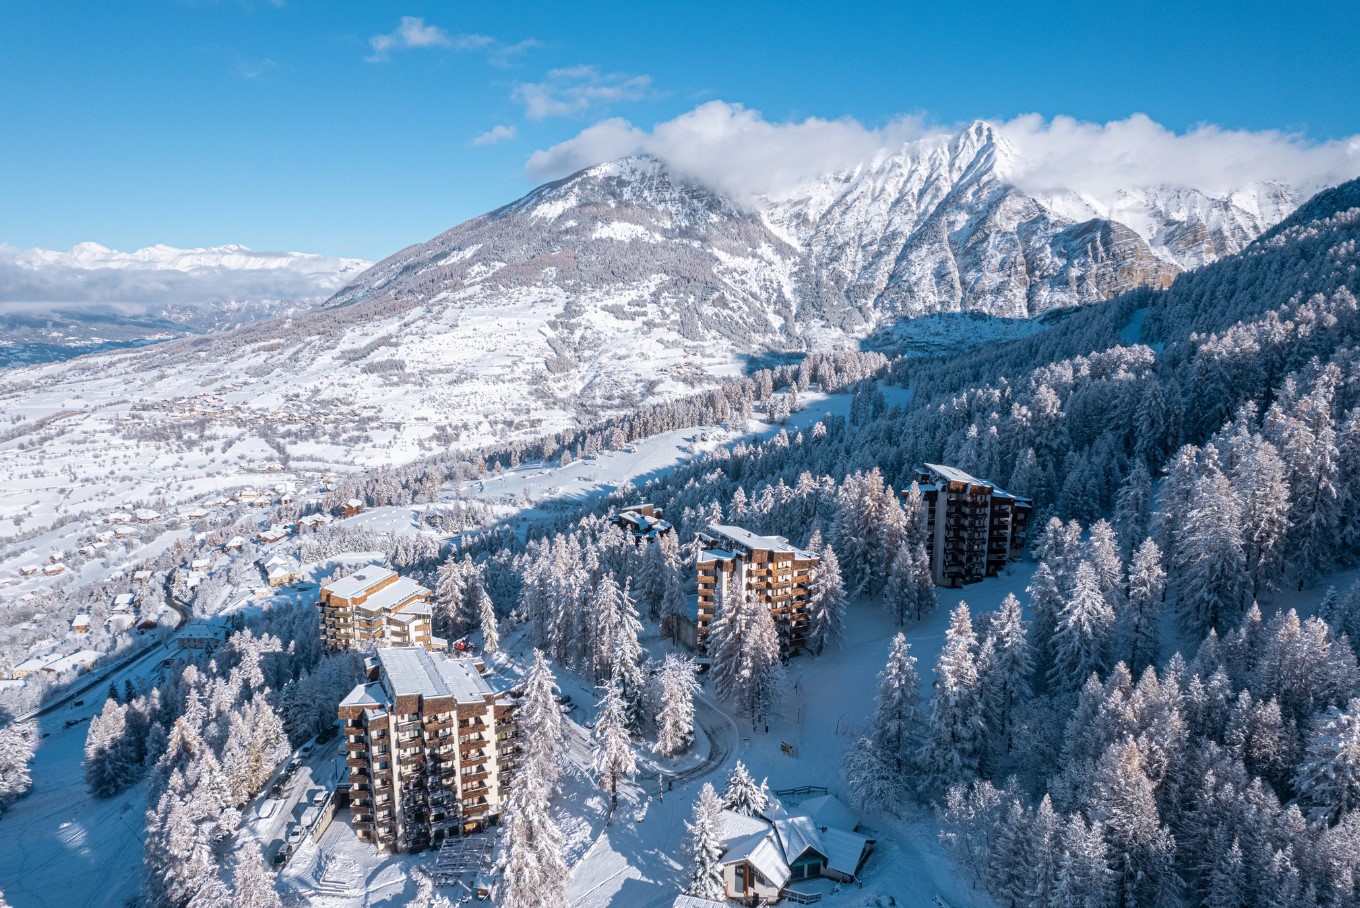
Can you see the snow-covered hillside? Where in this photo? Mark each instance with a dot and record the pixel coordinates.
(622, 284)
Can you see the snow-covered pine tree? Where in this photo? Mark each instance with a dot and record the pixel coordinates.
(606, 606)
(1328, 779)
(486, 612)
(762, 672)
(705, 845)
(899, 592)
(898, 726)
(1133, 508)
(1260, 480)
(252, 886)
(1007, 682)
(1141, 851)
(1142, 615)
(727, 640)
(1083, 877)
(923, 580)
(1210, 567)
(1084, 634)
(614, 760)
(15, 754)
(627, 663)
(675, 721)
(540, 722)
(1046, 604)
(448, 595)
(954, 732)
(826, 604)
(1103, 551)
(742, 794)
(107, 758)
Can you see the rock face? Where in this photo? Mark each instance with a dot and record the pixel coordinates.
(937, 227)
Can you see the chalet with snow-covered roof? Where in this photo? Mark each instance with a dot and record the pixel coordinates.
(375, 605)
(234, 544)
(80, 624)
(201, 635)
(769, 569)
(776, 853)
(51, 570)
(974, 529)
(642, 521)
(146, 515)
(351, 507)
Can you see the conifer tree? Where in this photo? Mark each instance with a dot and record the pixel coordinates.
(1133, 508)
(705, 845)
(1082, 639)
(675, 721)
(1141, 617)
(1007, 683)
(491, 638)
(1329, 776)
(955, 730)
(742, 794)
(614, 760)
(826, 604)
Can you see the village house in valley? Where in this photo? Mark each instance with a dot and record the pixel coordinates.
(376, 604)
(974, 529)
(770, 569)
(430, 748)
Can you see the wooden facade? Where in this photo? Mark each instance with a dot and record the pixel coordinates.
(375, 605)
(769, 568)
(974, 529)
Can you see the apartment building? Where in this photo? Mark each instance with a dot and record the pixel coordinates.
(376, 605)
(430, 745)
(770, 568)
(974, 529)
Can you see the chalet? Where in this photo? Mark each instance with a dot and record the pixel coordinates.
(261, 502)
(769, 569)
(123, 531)
(312, 521)
(79, 661)
(124, 602)
(200, 564)
(142, 576)
(201, 636)
(272, 535)
(145, 515)
(80, 624)
(283, 574)
(351, 507)
(119, 622)
(197, 514)
(147, 623)
(28, 570)
(51, 570)
(642, 521)
(31, 666)
(974, 529)
(772, 855)
(233, 544)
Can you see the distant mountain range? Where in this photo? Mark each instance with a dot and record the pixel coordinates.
(54, 305)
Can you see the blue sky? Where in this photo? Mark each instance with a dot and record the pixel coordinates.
(353, 128)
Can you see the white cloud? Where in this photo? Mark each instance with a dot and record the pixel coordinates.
(496, 134)
(731, 148)
(737, 151)
(576, 89)
(1103, 158)
(413, 32)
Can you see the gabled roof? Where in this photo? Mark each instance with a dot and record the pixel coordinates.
(798, 835)
(763, 853)
(844, 849)
(828, 810)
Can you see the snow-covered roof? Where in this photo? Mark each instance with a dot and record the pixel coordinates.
(362, 579)
(828, 810)
(954, 474)
(395, 594)
(797, 835)
(81, 620)
(843, 849)
(365, 695)
(745, 539)
(413, 670)
(693, 901)
(739, 825)
(708, 555)
(763, 853)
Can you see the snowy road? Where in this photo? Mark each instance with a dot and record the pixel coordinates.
(722, 736)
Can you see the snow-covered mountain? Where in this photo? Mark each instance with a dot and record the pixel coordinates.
(624, 283)
(54, 305)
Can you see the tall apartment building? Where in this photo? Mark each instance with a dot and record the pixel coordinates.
(430, 747)
(375, 605)
(771, 570)
(974, 529)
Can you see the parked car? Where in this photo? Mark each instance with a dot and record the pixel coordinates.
(293, 766)
(306, 749)
(295, 834)
(319, 796)
(78, 703)
(276, 790)
(281, 855)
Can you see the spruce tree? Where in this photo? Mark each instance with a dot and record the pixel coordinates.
(742, 794)
(826, 604)
(705, 846)
(1142, 615)
(675, 721)
(1082, 639)
(614, 760)
(955, 730)
(491, 638)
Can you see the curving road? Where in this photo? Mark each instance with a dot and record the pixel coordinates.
(722, 740)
